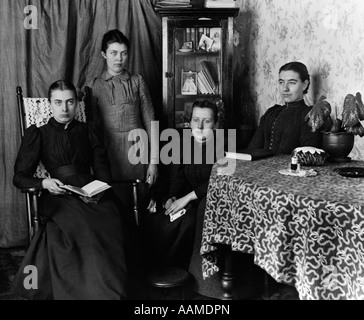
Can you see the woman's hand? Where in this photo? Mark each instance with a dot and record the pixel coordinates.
(94, 199)
(180, 203)
(174, 205)
(169, 202)
(152, 174)
(152, 207)
(177, 205)
(52, 185)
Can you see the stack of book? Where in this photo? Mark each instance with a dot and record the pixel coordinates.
(173, 4)
(220, 4)
(207, 79)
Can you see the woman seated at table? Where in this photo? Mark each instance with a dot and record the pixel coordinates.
(283, 127)
(79, 254)
(171, 243)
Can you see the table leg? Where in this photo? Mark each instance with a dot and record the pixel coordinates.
(227, 275)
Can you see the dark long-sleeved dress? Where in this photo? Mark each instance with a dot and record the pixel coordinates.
(79, 254)
(178, 243)
(283, 128)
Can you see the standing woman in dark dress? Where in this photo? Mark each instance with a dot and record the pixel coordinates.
(283, 127)
(79, 254)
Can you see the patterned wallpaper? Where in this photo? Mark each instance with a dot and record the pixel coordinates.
(326, 35)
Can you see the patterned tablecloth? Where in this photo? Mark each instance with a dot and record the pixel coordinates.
(304, 231)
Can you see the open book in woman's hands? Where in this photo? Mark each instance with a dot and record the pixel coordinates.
(89, 190)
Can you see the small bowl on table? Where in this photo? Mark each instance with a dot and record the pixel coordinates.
(310, 156)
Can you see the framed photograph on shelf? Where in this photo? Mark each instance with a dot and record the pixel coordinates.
(189, 83)
(215, 35)
(188, 45)
(205, 43)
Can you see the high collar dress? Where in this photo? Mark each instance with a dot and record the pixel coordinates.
(284, 127)
(124, 109)
(79, 253)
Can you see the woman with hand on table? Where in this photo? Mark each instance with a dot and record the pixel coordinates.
(284, 127)
(79, 253)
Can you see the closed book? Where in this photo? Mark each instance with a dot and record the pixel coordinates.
(197, 38)
(193, 38)
(172, 5)
(89, 190)
(211, 74)
(249, 154)
(205, 82)
(188, 34)
(220, 4)
(200, 33)
(200, 85)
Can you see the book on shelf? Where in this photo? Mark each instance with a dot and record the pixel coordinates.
(210, 87)
(202, 84)
(211, 74)
(197, 38)
(206, 31)
(199, 34)
(188, 34)
(89, 190)
(193, 38)
(220, 4)
(249, 154)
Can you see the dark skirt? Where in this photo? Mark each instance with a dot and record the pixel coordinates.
(168, 244)
(79, 254)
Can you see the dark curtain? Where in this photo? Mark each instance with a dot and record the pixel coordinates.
(67, 44)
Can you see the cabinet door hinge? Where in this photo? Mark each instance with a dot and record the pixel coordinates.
(169, 75)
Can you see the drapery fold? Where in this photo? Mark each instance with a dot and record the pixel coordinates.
(66, 45)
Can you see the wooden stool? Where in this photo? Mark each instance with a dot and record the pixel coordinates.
(168, 278)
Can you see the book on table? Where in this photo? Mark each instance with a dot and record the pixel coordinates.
(220, 4)
(173, 4)
(89, 190)
(249, 154)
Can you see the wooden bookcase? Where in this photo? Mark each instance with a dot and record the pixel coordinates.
(183, 59)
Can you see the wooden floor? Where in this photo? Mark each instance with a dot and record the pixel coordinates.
(10, 260)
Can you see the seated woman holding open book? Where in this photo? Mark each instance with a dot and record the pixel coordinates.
(79, 253)
(283, 127)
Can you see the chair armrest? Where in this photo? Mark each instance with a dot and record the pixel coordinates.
(134, 183)
(34, 190)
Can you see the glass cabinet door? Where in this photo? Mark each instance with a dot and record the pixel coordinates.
(197, 60)
(197, 69)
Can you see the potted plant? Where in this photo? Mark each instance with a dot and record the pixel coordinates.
(338, 140)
